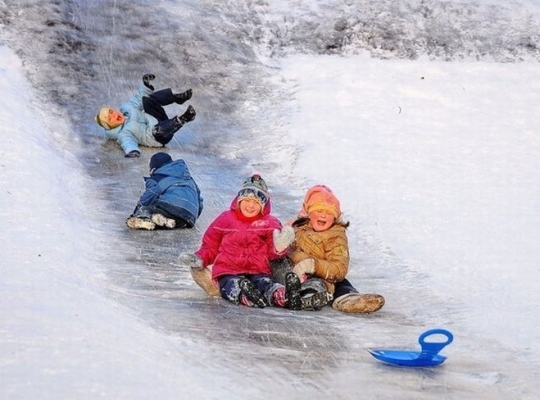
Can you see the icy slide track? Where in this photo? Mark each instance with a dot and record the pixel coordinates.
(115, 317)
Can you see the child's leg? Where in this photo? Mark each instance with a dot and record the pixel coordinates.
(344, 287)
(165, 97)
(239, 290)
(273, 292)
(292, 290)
(164, 130)
(251, 296)
(229, 287)
(154, 102)
(282, 273)
(141, 218)
(314, 294)
(180, 221)
(165, 219)
(280, 268)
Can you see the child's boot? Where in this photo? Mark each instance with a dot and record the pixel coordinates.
(315, 301)
(163, 221)
(252, 293)
(314, 294)
(292, 289)
(140, 219)
(188, 116)
(181, 98)
(358, 303)
(140, 223)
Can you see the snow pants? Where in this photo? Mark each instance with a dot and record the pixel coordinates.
(166, 127)
(282, 266)
(230, 290)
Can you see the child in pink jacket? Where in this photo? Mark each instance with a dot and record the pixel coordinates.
(240, 243)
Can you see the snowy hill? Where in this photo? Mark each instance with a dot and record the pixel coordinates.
(420, 115)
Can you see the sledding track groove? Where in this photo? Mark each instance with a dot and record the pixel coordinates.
(93, 52)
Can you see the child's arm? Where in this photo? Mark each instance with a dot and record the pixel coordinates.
(278, 239)
(335, 265)
(127, 139)
(283, 238)
(211, 241)
(152, 189)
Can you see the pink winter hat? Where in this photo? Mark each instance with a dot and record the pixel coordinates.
(320, 197)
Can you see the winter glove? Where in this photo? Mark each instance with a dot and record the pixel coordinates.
(304, 267)
(283, 238)
(146, 80)
(191, 260)
(133, 154)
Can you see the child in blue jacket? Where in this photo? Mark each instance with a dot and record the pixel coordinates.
(172, 198)
(142, 120)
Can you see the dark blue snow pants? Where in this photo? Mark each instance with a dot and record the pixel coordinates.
(342, 288)
(166, 127)
(230, 290)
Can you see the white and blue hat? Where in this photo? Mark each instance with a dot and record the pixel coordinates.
(254, 188)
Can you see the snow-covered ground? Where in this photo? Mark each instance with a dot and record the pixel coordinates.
(435, 163)
(438, 161)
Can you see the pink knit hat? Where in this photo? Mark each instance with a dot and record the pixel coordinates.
(320, 197)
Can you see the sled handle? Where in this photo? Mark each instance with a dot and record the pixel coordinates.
(430, 349)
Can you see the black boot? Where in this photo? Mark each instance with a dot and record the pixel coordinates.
(181, 98)
(314, 294)
(292, 288)
(315, 301)
(164, 131)
(252, 293)
(188, 116)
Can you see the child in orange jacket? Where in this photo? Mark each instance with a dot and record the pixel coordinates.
(319, 256)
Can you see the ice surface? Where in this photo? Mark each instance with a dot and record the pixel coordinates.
(434, 159)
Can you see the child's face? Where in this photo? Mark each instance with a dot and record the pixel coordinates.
(115, 118)
(250, 208)
(321, 220)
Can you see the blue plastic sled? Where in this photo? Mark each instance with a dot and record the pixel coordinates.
(427, 357)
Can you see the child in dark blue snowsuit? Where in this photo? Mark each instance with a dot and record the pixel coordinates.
(172, 198)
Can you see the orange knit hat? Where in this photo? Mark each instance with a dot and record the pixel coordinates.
(320, 197)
